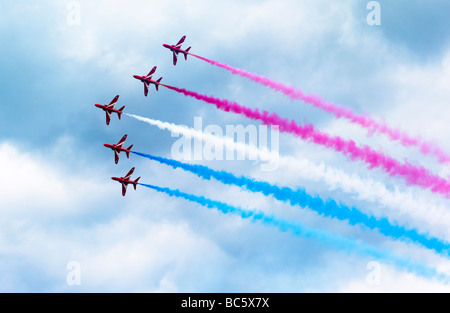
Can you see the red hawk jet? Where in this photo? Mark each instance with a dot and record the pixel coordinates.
(118, 148)
(177, 49)
(126, 180)
(109, 109)
(147, 80)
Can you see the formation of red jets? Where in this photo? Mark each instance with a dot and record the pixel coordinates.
(109, 110)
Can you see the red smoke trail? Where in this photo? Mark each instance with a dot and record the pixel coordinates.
(365, 121)
(414, 175)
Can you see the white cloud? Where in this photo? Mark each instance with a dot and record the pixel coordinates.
(36, 184)
(135, 254)
(41, 214)
(392, 281)
(421, 99)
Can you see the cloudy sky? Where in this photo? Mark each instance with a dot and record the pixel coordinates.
(59, 207)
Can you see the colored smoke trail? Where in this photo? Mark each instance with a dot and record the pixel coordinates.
(339, 111)
(413, 175)
(401, 203)
(335, 241)
(300, 197)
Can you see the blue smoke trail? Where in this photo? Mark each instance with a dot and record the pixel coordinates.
(298, 229)
(300, 197)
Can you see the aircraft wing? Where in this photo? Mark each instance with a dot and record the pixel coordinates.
(145, 89)
(178, 45)
(122, 141)
(128, 176)
(108, 117)
(175, 58)
(151, 72)
(116, 156)
(124, 189)
(113, 102)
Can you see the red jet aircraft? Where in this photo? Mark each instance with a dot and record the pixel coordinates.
(118, 148)
(126, 180)
(177, 49)
(147, 80)
(109, 109)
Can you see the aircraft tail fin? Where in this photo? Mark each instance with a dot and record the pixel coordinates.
(186, 54)
(128, 152)
(158, 81)
(119, 114)
(136, 182)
